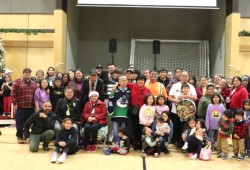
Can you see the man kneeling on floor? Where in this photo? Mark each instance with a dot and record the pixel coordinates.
(42, 125)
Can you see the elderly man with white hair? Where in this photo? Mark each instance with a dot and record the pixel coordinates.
(175, 96)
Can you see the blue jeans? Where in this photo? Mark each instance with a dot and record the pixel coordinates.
(22, 114)
(212, 133)
(116, 125)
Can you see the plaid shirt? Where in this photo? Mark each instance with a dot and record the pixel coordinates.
(240, 129)
(22, 93)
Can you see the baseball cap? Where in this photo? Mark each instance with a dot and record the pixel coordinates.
(244, 78)
(99, 66)
(129, 70)
(92, 72)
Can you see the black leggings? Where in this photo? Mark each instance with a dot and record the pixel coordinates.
(194, 145)
(71, 149)
(90, 133)
(178, 127)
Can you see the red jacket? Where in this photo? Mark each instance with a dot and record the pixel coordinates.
(100, 112)
(240, 129)
(199, 93)
(237, 98)
(137, 93)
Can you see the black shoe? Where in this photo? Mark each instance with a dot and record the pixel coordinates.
(166, 151)
(45, 147)
(241, 157)
(179, 145)
(135, 146)
(235, 156)
(224, 156)
(173, 141)
(20, 140)
(219, 155)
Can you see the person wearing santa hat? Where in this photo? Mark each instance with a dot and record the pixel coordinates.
(94, 117)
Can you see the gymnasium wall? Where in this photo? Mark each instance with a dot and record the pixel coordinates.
(237, 47)
(244, 47)
(27, 6)
(35, 51)
(72, 35)
(217, 39)
(244, 6)
(98, 25)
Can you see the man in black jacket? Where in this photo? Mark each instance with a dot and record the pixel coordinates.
(163, 77)
(67, 107)
(92, 83)
(41, 124)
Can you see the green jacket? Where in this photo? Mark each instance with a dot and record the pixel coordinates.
(227, 127)
(202, 106)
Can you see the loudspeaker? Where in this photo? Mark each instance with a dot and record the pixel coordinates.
(112, 45)
(156, 47)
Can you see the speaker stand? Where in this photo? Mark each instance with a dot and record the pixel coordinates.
(155, 68)
(112, 56)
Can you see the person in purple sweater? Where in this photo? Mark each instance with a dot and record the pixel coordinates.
(214, 113)
(41, 94)
(161, 105)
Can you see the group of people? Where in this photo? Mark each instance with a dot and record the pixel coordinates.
(140, 109)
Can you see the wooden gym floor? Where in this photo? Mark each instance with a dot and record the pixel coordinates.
(15, 156)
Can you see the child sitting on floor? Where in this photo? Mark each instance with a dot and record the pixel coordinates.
(65, 142)
(189, 126)
(124, 144)
(197, 139)
(161, 129)
(150, 145)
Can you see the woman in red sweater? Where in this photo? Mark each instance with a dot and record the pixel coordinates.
(138, 93)
(238, 94)
(94, 117)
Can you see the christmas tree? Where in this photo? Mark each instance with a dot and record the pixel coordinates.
(2, 56)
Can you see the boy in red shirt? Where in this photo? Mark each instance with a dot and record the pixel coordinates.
(239, 133)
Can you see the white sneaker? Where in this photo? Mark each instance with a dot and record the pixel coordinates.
(54, 158)
(185, 146)
(156, 155)
(194, 156)
(61, 159)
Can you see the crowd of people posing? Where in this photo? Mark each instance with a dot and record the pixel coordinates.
(140, 109)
